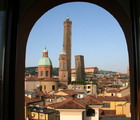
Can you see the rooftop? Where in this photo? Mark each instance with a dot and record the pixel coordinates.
(92, 100)
(114, 98)
(72, 103)
(32, 100)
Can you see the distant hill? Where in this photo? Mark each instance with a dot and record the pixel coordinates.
(33, 71)
(55, 71)
(106, 72)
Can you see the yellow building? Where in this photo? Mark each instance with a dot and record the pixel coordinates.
(49, 85)
(120, 104)
(89, 88)
(119, 92)
(30, 102)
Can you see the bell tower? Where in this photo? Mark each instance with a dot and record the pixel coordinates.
(63, 68)
(67, 45)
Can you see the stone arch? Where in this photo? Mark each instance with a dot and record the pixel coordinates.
(31, 12)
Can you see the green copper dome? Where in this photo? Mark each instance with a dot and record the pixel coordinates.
(45, 61)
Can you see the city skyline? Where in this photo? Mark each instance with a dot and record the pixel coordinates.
(103, 42)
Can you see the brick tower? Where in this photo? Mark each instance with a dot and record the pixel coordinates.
(45, 66)
(63, 68)
(79, 67)
(67, 45)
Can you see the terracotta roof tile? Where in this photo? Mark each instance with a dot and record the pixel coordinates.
(69, 92)
(116, 90)
(32, 79)
(72, 103)
(31, 100)
(107, 112)
(92, 100)
(39, 93)
(112, 98)
(112, 116)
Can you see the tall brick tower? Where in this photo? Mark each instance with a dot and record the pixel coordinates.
(63, 68)
(67, 45)
(79, 67)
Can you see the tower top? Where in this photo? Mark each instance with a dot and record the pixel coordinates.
(45, 50)
(63, 52)
(67, 19)
(45, 60)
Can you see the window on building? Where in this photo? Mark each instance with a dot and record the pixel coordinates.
(106, 105)
(44, 87)
(90, 112)
(84, 87)
(46, 73)
(88, 87)
(53, 87)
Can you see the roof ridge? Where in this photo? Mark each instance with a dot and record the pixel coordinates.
(77, 101)
(94, 99)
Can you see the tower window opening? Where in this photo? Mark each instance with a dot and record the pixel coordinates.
(53, 87)
(46, 73)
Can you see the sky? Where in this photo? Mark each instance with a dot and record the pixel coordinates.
(96, 35)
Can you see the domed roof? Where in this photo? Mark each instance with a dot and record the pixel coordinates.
(45, 61)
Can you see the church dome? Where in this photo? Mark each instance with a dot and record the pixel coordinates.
(45, 61)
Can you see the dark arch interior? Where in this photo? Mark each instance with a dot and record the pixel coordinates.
(90, 112)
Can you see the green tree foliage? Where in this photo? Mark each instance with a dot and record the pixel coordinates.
(33, 71)
(79, 82)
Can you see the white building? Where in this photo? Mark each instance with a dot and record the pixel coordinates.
(78, 109)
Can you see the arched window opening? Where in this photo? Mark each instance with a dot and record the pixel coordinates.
(90, 112)
(90, 87)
